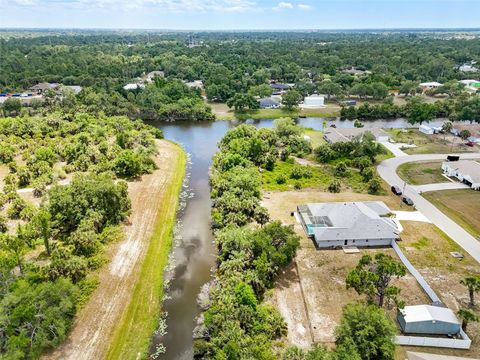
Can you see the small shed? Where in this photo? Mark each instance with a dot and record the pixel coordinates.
(428, 319)
(426, 129)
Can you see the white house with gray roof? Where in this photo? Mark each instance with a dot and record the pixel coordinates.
(467, 171)
(338, 224)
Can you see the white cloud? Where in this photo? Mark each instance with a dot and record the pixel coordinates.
(304, 7)
(163, 5)
(283, 5)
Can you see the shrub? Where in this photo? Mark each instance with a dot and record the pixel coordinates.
(334, 186)
(281, 179)
(368, 174)
(341, 169)
(296, 173)
(16, 207)
(297, 185)
(374, 186)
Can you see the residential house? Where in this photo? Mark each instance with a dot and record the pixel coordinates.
(338, 224)
(40, 88)
(430, 85)
(356, 72)
(268, 103)
(333, 135)
(428, 319)
(195, 84)
(133, 86)
(471, 85)
(426, 129)
(466, 171)
(468, 68)
(279, 89)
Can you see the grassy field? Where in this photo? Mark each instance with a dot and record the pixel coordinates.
(222, 112)
(316, 137)
(132, 334)
(419, 173)
(320, 176)
(462, 206)
(429, 144)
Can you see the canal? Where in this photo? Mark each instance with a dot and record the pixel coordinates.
(194, 251)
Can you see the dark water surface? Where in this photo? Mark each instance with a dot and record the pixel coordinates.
(194, 251)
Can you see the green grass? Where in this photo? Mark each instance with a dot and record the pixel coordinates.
(420, 173)
(330, 111)
(132, 335)
(462, 206)
(321, 177)
(316, 137)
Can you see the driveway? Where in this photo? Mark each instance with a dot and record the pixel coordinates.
(394, 148)
(387, 169)
(439, 186)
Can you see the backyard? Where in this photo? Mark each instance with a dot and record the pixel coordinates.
(419, 173)
(311, 294)
(462, 206)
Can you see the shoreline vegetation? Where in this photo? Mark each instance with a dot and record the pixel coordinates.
(143, 311)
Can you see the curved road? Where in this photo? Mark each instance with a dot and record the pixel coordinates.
(387, 169)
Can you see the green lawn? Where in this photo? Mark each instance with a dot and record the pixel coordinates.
(132, 334)
(428, 144)
(320, 177)
(222, 112)
(419, 173)
(462, 206)
(316, 137)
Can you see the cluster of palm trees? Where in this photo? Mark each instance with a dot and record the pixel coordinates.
(469, 313)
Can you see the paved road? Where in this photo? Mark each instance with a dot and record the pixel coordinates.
(387, 170)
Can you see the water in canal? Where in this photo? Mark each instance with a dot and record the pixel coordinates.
(194, 252)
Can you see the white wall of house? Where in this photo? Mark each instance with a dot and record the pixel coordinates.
(330, 244)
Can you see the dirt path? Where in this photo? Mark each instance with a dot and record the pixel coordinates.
(95, 323)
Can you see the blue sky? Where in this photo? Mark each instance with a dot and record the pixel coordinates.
(240, 14)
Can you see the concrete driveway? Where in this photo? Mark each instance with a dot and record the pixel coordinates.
(439, 186)
(387, 169)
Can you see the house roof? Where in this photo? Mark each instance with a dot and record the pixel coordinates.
(133, 86)
(431, 83)
(154, 73)
(75, 88)
(268, 102)
(419, 313)
(470, 168)
(44, 86)
(336, 134)
(349, 220)
(278, 86)
(426, 356)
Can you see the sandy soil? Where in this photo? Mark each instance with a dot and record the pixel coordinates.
(94, 325)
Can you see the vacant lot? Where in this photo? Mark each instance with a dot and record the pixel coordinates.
(223, 112)
(419, 173)
(462, 206)
(429, 144)
(317, 283)
(126, 302)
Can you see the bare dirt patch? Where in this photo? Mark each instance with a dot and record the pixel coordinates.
(95, 323)
(320, 274)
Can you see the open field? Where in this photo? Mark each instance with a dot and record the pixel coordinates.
(419, 173)
(222, 112)
(462, 206)
(317, 284)
(320, 176)
(430, 144)
(126, 302)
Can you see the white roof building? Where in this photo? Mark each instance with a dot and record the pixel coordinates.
(428, 319)
(133, 86)
(313, 102)
(195, 84)
(430, 85)
(467, 171)
(468, 68)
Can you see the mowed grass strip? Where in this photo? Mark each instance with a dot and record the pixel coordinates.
(420, 173)
(132, 335)
(462, 206)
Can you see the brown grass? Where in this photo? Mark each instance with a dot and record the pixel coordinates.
(419, 173)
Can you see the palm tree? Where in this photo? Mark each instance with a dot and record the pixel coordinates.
(467, 316)
(473, 285)
(446, 128)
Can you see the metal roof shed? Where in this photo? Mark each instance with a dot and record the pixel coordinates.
(428, 319)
